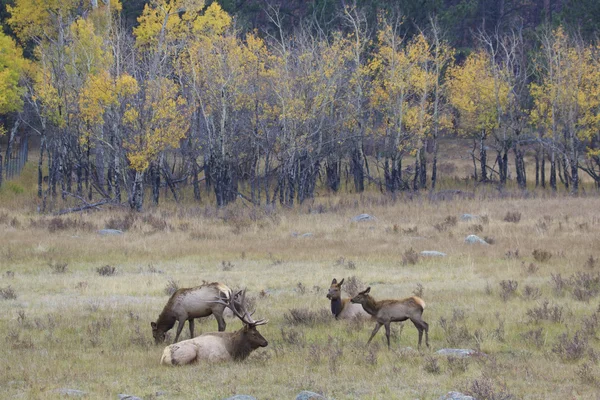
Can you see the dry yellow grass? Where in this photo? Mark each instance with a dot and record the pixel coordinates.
(89, 332)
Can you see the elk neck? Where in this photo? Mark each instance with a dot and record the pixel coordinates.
(336, 306)
(371, 306)
(166, 320)
(239, 346)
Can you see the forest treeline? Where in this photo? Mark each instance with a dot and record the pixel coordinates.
(187, 96)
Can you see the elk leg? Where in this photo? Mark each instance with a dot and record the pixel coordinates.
(422, 326)
(220, 321)
(387, 334)
(179, 328)
(191, 323)
(375, 331)
(426, 327)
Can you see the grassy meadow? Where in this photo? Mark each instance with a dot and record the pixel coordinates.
(528, 303)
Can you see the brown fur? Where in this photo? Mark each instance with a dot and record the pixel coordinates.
(387, 311)
(189, 303)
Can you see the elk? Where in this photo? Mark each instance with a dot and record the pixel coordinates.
(219, 346)
(343, 308)
(387, 311)
(189, 303)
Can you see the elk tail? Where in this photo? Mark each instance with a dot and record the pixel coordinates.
(419, 301)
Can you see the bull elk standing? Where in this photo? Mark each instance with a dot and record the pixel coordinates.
(343, 308)
(387, 311)
(187, 304)
(219, 346)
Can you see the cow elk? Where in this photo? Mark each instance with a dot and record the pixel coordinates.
(388, 311)
(187, 304)
(219, 346)
(343, 308)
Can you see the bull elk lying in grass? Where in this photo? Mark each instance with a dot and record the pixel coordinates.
(388, 311)
(189, 303)
(219, 346)
(343, 308)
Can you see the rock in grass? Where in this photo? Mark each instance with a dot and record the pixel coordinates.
(468, 217)
(456, 396)
(241, 397)
(363, 217)
(432, 253)
(474, 239)
(109, 232)
(128, 397)
(307, 395)
(456, 352)
(72, 392)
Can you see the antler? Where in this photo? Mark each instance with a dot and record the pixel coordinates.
(240, 310)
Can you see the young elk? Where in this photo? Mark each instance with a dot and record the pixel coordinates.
(219, 346)
(387, 311)
(187, 304)
(343, 308)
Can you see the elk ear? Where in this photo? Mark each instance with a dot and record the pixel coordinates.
(367, 290)
(342, 281)
(334, 281)
(153, 325)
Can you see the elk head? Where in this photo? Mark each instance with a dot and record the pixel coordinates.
(158, 334)
(362, 297)
(335, 290)
(237, 304)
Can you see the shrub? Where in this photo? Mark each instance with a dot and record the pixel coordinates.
(106, 270)
(571, 349)
(484, 388)
(535, 337)
(226, 265)
(171, 287)
(458, 365)
(123, 223)
(585, 285)
(431, 365)
(513, 216)
(8, 293)
(410, 257)
(545, 312)
(559, 284)
(303, 316)
(541, 255)
(531, 268)
(508, 289)
(58, 267)
(292, 336)
(353, 286)
(455, 334)
(531, 292)
(591, 262)
(419, 290)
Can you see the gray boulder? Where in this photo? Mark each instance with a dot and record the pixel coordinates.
(456, 352)
(241, 397)
(456, 396)
(474, 239)
(363, 217)
(306, 235)
(432, 253)
(72, 392)
(109, 232)
(307, 395)
(128, 397)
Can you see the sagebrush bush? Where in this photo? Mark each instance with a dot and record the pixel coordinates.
(106, 270)
(541, 255)
(512, 216)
